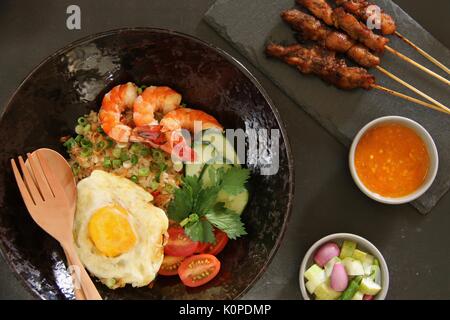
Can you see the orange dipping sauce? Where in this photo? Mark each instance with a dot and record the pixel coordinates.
(391, 160)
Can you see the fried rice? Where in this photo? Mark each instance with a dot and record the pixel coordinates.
(150, 168)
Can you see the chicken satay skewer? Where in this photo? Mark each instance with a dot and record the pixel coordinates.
(312, 29)
(355, 29)
(362, 10)
(323, 63)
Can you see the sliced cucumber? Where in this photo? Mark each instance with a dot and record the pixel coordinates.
(358, 296)
(367, 264)
(369, 287)
(236, 203)
(347, 249)
(314, 273)
(222, 145)
(205, 154)
(324, 292)
(375, 274)
(359, 255)
(353, 267)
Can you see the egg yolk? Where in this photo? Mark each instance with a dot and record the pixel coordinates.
(110, 231)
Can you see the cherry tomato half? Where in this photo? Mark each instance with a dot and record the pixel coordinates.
(198, 269)
(179, 244)
(169, 266)
(216, 248)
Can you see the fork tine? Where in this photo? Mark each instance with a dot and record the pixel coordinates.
(54, 183)
(29, 203)
(34, 192)
(39, 177)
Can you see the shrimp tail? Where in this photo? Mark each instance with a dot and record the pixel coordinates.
(149, 134)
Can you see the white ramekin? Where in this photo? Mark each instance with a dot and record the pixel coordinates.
(432, 152)
(338, 238)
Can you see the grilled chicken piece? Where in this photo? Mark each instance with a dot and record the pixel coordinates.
(340, 19)
(323, 63)
(319, 8)
(359, 8)
(358, 31)
(310, 28)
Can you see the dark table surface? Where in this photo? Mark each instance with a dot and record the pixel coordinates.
(326, 201)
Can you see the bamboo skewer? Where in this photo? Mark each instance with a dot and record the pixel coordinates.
(415, 90)
(409, 60)
(422, 52)
(408, 98)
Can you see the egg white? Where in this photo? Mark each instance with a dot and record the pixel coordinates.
(140, 264)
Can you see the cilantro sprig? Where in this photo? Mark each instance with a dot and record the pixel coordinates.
(196, 209)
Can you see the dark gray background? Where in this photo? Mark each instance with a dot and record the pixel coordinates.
(327, 201)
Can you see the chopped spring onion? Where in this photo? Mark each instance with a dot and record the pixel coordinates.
(135, 148)
(127, 164)
(154, 185)
(87, 128)
(69, 144)
(75, 168)
(100, 130)
(157, 155)
(134, 179)
(122, 145)
(82, 121)
(116, 163)
(178, 166)
(162, 167)
(78, 138)
(134, 159)
(145, 151)
(116, 153)
(101, 145)
(79, 129)
(107, 162)
(141, 89)
(86, 152)
(110, 143)
(124, 156)
(169, 188)
(85, 143)
(144, 172)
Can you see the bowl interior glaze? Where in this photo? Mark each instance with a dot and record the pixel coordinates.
(72, 82)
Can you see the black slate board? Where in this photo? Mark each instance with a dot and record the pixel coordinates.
(250, 24)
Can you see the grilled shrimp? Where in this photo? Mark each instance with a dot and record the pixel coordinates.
(114, 103)
(152, 100)
(168, 134)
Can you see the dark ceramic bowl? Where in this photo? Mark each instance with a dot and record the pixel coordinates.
(72, 82)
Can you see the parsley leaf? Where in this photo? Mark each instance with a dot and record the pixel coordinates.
(201, 230)
(206, 199)
(234, 179)
(181, 206)
(226, 220)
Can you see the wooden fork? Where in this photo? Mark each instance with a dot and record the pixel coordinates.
(45, 199)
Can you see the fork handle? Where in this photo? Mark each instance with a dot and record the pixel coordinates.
(88, 286)
(78, 291)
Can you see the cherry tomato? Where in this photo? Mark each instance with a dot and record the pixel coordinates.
(216, 248)
(198, 269)
(169, 266)
(202, 246)
(179, 244)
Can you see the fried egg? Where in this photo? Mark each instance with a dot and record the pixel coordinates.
(118, 233)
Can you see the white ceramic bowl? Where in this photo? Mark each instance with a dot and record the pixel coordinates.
(339, 238)
(432, 152)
